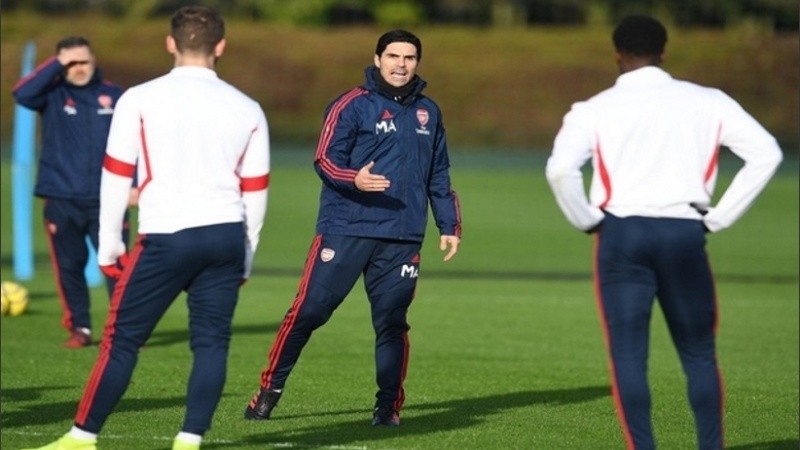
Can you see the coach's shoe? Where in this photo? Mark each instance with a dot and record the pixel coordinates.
(385, 417)
(80, 337)
(260, 407)
(67, 442)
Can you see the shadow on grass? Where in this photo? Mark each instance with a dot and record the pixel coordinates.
(57, 412)
(28, 394)
(169, 337)
(785, 444)
(430, 418)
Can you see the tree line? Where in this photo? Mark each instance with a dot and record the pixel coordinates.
(778, 15)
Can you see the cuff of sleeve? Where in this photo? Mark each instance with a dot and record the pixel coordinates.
(710, 223)
(109, 249)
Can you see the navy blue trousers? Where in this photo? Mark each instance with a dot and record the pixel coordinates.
(208, 264)
(638, 260)
(68, 223)
(333, 266)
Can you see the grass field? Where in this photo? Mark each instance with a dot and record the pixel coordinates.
(507, 349)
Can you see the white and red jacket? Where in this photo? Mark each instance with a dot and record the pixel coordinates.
(654, 143)
(201, 148)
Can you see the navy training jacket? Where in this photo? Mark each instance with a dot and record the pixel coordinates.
(75, 124)
(408, 144)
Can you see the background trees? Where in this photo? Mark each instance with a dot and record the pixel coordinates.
(780, 15)
(505, 71)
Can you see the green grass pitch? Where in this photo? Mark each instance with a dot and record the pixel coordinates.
(506, 352)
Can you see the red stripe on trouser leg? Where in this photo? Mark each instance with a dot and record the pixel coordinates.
(291, 316)
(84, 407)
(66, 314)
(611, 370)
(401, 392)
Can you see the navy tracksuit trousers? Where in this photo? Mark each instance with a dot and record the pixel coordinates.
(639, 259)
(208, 264)
(68, 223)
(333, 266)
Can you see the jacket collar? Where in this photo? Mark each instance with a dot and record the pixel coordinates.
(643, 76)
(370, 74)
(194, 71)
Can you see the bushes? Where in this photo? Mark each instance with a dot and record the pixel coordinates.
(505, 87)
(780, 14)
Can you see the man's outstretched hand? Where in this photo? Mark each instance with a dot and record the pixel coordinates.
(370, 182)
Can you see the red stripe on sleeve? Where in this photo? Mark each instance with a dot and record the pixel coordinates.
(458, 213)
(118, 167)
(337, 173)
(254, 183)
(326, 137)
(712, 164)
(33, 73)
(604, 177)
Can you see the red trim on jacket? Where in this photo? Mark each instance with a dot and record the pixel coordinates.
(328, 128)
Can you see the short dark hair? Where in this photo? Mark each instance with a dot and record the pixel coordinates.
(72, 42)
(398, 36)
(640, 35)
(197, 29)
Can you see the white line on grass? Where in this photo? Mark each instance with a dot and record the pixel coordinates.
(206, 441)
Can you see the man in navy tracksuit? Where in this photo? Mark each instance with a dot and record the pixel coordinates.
(382, 157)
(76, 106)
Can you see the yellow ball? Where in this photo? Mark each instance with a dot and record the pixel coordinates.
(15, 298)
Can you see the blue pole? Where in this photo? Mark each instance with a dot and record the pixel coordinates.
(94, 277)
(21, 179)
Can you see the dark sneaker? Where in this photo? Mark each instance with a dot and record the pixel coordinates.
(385, 417)
(80, 337)
(260, 407)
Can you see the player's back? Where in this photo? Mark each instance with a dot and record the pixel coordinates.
(657, 139)
(194, 130)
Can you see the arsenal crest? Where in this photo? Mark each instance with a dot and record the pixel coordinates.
(104, 101)
(326, 254)
(422, 116)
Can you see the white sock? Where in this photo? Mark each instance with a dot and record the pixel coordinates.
(77, 433)
(189, 438)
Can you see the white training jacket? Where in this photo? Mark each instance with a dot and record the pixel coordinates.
(654, 143)
(201, 151)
